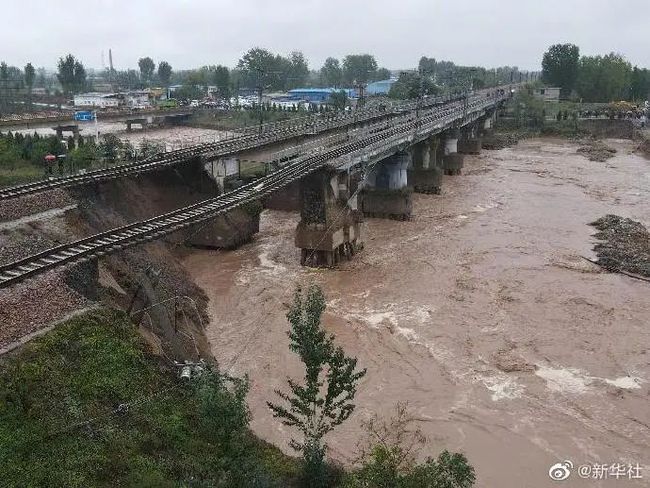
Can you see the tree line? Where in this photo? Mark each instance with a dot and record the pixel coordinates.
(600, 78)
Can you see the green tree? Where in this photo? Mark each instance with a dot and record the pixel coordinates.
(388, 458)
(147, 68)
(4, 85)
(9, 154)
(359, 68)
(83, 156)
(560, 66)
(199, 77)
(382, 74)
(189, 92)
(604, 78)
(260, 67)
(128, 79)
(330, 384)
(528, 110)
(339, 99)
(224, 418)
(164, 72)
(411, 85)
(298, 70)
(331, 73)
(427, 65)
(110, 148)
(640, 84)
(149, 148)
(221, 79)
(30, 77)
(71, 74)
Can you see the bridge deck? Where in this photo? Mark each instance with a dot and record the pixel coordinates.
(405, 129)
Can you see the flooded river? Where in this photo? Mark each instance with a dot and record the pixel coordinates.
(481, 313)
(172, 137)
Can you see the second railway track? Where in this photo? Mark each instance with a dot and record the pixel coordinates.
(132, 234)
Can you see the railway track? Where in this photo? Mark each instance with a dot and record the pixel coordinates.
(247, 141)
(144, 231)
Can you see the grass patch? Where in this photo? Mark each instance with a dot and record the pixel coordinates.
(23, 173)
(61, 423)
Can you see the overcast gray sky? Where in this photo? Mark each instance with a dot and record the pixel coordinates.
(191, 33)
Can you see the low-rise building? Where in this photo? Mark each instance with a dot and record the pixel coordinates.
(97, 100)
(318, 95)
(548, 94)
(137, 99)
(380, 87)
(312, 95)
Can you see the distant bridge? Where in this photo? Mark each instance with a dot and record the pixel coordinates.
(246, 140)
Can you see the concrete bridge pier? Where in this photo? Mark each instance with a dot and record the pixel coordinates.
(386, 193)
(60, 129)
(329, 229)
(470, 141)
(488, 125)
(144, 123)
(426, 174)
(452, 161)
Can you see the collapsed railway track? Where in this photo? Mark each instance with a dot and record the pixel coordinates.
(148, 230)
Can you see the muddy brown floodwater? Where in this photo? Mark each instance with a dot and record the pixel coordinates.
(481, 313)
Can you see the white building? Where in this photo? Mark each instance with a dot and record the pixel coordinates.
(137, 99)
(98, 100)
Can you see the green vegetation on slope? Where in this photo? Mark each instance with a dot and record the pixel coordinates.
(88, 405)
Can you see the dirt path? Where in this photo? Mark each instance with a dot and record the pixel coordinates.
(481, 313)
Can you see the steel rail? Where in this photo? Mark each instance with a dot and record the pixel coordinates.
(215, 149)
(275, 133)
(135, 233)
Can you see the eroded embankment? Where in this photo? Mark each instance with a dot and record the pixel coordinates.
(146, 280)
(480, 312)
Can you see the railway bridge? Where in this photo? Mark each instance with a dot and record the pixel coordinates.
(343, 167)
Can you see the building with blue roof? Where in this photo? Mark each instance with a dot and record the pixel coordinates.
(380, 87)
(318, 95)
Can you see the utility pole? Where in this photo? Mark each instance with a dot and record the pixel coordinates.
(260, 88)
(259, 101)
(96, 127)
(360, 86)
(420, 101)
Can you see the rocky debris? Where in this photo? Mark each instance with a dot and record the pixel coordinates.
(32, 204)
(509, 362)
(625, 245)
(596, 150)
(34, 304)
(500, 140)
